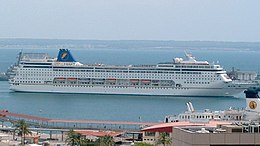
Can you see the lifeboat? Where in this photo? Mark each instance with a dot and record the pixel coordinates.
(111, 79)
(145, 81)
(134, 80)
(72, 79)
(60, 79)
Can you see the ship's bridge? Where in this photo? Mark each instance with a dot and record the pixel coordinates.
(68, 64)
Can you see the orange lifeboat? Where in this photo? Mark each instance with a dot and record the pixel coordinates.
(145, 81)
(111, 79)
(134, 80)
(60, 79)
(72, 79)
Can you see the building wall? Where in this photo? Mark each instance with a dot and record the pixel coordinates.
(246, 75)
(183, 137)
(151, 139)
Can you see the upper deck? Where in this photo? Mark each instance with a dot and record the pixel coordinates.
(190, 64)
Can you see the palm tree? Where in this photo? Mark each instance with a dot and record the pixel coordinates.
(105, 141)
(76, 139)
(164, 139)
(73, 138)
(23, 129)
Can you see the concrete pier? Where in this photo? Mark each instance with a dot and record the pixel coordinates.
(41, 122)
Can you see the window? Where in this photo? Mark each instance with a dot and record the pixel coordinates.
(149, 133)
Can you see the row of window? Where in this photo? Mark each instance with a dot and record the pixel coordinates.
(208, 116)
(196, 82)
(197, 117)
(29, 82)
(159, 67)
(34, 73)
(120, 85)
(195, 66)
(114, 75)
(147, 139)
(30, 77)
(116, 71)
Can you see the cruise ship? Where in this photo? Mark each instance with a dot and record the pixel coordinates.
(38, 72)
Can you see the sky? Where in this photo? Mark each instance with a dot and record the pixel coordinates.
(180, 20)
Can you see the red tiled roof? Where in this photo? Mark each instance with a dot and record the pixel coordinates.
(98, 133)
(103, 122)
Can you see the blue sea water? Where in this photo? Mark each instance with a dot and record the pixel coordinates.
(122, 107)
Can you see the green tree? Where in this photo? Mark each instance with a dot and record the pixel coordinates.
(76, 139)
(85, 142)
(73, 138)
(105, 141)
(22, 128)
(142, 144)
(164, 139)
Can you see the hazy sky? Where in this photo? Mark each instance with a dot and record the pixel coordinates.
(214, 20)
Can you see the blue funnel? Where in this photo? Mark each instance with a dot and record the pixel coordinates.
(65, 56)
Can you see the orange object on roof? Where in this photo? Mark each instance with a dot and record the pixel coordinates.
(98, 133)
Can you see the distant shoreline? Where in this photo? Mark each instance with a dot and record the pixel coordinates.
(128, 44)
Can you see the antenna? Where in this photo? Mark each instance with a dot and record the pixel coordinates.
(188, 107)
(191, 107)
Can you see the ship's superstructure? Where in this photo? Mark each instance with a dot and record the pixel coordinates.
(41, 73)
(206, 115)
(250, 113)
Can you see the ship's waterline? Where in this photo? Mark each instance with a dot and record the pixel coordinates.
(127, 90)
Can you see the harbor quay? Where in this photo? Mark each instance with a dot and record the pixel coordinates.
(54, 130)
(40, 122)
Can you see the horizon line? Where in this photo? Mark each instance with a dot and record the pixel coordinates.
(162, 40)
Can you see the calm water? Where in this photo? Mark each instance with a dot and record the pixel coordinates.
(121, 107)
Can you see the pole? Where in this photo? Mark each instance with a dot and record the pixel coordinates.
(61, 135)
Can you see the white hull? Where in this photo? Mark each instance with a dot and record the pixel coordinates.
(128, 90)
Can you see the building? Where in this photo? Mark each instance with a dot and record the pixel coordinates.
(214, 133)
(246, 75)
(242, 75)
(150, 134)
(222, 135)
